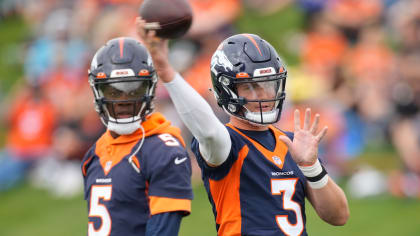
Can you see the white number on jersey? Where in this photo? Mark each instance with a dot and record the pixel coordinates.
(99, 210)
(169, 140)
(287, 188)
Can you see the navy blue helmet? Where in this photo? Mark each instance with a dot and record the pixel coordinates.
(122, 72)
(249, 79)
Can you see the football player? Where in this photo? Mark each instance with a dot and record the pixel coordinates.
(257, 176)
(137, 176)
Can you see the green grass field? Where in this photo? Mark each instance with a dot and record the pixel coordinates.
(27, 211)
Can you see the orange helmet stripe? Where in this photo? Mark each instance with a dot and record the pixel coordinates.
(254, 42)
(121, 47)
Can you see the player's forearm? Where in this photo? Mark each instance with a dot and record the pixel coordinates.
(164, 224)
(165, 72)
(199, 118)
(330, 203)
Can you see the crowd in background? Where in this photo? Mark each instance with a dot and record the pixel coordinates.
(359, 67)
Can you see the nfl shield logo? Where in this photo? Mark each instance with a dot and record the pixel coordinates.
(277, 160)
(108, 166)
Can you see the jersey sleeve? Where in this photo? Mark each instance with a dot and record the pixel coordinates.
(164, 224)
(217, 173)
(200, 119)
(169, 178)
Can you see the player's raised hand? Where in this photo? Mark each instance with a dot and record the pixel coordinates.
(158, 49)
(304, 147)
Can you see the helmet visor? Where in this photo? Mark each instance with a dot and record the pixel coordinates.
(125, 100)
(257, 89)
(124, 90)
(261, 97)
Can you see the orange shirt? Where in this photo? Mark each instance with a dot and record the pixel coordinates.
(32, 125)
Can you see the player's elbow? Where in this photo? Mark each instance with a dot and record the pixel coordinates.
(339, 219)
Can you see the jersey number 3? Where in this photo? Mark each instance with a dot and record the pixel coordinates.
(99, 210)
(287, 188)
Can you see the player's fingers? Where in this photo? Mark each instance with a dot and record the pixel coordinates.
(151, 40)
(297, 120)
(286, 140)
(307, 119)
(151, 34)
(322, 134)
(314, 126)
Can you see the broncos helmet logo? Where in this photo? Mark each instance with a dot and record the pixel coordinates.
(220, 59)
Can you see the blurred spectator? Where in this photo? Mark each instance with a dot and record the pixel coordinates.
(55, 48)
(405, 95)
(267, 7)
(210, 16)
(323, 49)
(352, 15)
(31, 121)
(372, 67)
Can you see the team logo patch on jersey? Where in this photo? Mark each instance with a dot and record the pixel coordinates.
(108, 166)
(277, 160)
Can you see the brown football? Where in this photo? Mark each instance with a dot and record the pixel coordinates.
(170, 18)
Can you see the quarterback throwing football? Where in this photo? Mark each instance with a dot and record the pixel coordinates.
(257, 176)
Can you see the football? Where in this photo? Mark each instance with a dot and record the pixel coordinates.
(170, 18)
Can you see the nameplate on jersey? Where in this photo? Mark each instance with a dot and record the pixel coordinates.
(282, 173)
(104, 181)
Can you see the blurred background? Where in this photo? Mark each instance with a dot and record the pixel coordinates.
(355, 62)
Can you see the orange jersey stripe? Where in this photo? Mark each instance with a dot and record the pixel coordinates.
(280, 150)
(84, 165)
(162, 204)
(225, 194)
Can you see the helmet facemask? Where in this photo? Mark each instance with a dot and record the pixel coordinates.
(124, 102)
(258, 99)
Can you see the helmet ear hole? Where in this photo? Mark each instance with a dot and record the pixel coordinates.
(232, 108)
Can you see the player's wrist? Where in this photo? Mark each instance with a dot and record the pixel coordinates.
(167, 74)
(316, 175)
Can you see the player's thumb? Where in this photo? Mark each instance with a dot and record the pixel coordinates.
(286, 140)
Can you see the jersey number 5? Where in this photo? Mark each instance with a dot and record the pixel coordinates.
(287, 188)
(99, 210)
(169, 140)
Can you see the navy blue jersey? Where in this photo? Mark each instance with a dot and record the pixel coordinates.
(124, 188)
(256, 191)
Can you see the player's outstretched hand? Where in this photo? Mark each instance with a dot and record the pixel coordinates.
(158, 49)
(304, 147)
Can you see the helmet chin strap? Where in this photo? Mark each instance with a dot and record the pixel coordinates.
(124, 126)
